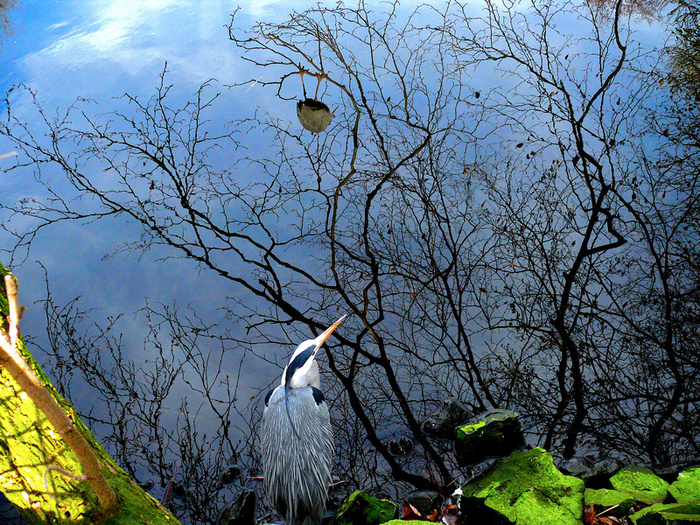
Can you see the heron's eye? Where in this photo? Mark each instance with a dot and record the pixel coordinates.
(318, 395)
(267, 397)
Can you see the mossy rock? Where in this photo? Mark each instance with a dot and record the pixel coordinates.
(686, 488)
(495, 433)
(607, 498)
(362, 509)
(663, 514)
(641, 484)
(424, 501)
(524, 488)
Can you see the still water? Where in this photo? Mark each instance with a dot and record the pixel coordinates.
(441, 221)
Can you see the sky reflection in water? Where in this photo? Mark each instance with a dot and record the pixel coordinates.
(98, 51)
(101, 50)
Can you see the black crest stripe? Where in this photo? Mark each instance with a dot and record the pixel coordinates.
(297, 363)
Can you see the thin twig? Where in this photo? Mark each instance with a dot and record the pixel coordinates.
(607, 510)
(63, 472)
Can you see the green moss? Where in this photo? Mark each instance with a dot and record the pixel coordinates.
(472, 427)
(686, 488)
(667, 513)
(362, 509)
(29, 444)
(607, 498)
(525, 488)
(541, 507)
(640, 483)
(484, 419)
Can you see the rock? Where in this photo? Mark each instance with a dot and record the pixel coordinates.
(686, 488)
(580, 467)
(442, 423)
(598, 472)
(673, 513)
(424, 501)
(362, 509)
(241, 512)
(641, 484)
(524, 488)
(599, 477)
(492, 434)
(608, 498)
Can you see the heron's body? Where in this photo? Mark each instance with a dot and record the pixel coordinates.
(298, 470)
(314, 115)
(297, 439)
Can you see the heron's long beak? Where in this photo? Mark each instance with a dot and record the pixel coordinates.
(326, 334)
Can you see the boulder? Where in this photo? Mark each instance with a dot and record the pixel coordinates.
(672, 514)
(641, 484)
(362, 509)
(442, 423)
(491, 434)
(424, 501)
(686, 488)
(524, 488)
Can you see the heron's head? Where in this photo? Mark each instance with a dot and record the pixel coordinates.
(302, 369)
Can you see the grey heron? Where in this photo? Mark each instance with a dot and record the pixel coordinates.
(297, 439)
(313, 114)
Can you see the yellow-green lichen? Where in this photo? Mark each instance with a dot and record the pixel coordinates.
(361, 508)
(606, 497)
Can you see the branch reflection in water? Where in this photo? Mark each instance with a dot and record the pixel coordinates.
(507, 209)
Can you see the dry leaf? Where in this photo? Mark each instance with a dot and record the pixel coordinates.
(450, 515)
(589, 516)
(410, 512)
(433, 516)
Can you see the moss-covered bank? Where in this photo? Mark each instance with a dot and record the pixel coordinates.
(29, 445)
